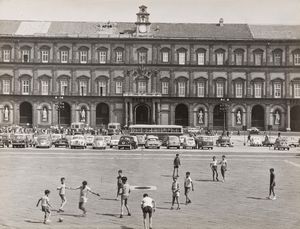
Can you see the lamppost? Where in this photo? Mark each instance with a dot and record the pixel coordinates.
(224, 107)
(59, 106)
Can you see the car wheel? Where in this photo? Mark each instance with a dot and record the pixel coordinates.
(168, 147)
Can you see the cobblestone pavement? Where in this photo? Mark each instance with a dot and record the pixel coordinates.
(240, 202)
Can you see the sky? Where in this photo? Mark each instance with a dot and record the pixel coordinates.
(176, 11)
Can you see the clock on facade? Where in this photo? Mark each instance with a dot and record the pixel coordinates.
(142, 28)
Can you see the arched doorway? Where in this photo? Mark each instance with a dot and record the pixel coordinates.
(26, 114)
(65, 114)
(181, 115)
(219, 118)
(295, 118)
(102, 114)
(142, 114)
(258, 117)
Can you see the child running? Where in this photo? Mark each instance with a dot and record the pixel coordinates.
(45, 206)
(124, 196)
(188, 185)
(176, 164)
(223, 164)
(119, 183)
(84, 189)
(148, 207)
(62, 194)
(214, 168)
(272, 185)
(175, 193)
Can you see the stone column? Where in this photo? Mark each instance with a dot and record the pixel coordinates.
(191, 92)
(111, 113)
(16, 114)
(73, 112)
(287, 55)
(210, 84)
(54, 115)
(131, 112)
(35, 114)
(172, 114)
(35, 53)
(211, 55)
(267, 117)
(229, 118)
(229, 55)
(75, 56)
(248, 85)
(248, 61)
(93, 115)
(229, 85)
(126, 113)
(268, 55)
(54, 53)
(172, 86)
(191, 115)
(287, 85)
(17, 52)
(211, 116)
(267, 85)
(158, 114)
(153, 113)
(288, 117)
(248, 114)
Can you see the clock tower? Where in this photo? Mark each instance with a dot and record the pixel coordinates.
(142, 23)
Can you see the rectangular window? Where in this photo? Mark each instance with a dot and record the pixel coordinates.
(165, 88)
(297, 58)
(63, 87)
(181, 58)
(83, 88)
(119, 87)
(102, 57)
(181, 89)
(25, 87)
(119, 57)
(83, 57)
(257, 90)
(239, 90)
(258, 59)
(6, 55)
(142, 58)
(45, 56)
(220, 89)
(220, 58)
(201, 89)
(45, 87)
(165, 57)
(64, 56)
(142, 87)
(102, 88)
(277, 90)
(239, 59)
(201, 58)
(6, 87)
(297, 90)
(25, 56)
(277, 58)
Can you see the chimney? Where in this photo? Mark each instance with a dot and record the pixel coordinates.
(221, 22)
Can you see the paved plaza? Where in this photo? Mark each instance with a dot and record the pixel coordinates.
(240, 202)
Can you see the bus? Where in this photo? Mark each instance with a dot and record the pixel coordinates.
(78, 126)
(158, 130)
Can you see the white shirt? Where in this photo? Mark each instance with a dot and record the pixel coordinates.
(147, 201)
(45, 200)
(223, 163)
(83, 194)
(188, 182)
(62, 189)
(214, 163)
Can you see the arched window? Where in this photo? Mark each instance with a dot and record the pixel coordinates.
(83, 83)
(119, 53)
(83, 54)
(181, 54)
(44, 54)
(220, 56)
(258, 57)
(165, 55)
(64, 54)
(220, 87)
(25, 81)
(296, 57)
(6, 53)
(239, 56)
(277, 57)
(201, 56)
(25, 54)
(181, 84)
(102, 55)
(142, 55)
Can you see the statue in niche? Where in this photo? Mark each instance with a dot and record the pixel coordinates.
(200, 116)
(45, 114)
(277, 118)
(238, 117)
(6, 114)
(82, 115)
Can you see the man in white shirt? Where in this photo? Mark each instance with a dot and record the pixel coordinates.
(188, 185)
(148, 206)
(125, 191)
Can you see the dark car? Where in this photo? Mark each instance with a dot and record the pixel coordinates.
(5, 140)
(253, 130)
(127, 142)
(205, 142)
(224, 141)
(63, 142)
(19, 140)
(281, 144)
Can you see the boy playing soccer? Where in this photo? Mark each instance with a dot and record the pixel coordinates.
(119, 183)
(176, 164)
(175, 193)
(188, 185)
(214, 168)
(84, 189)
(124, 196)
(223, 164)
(45, 206)
(62, 194)
(148, 206)
(272, 185)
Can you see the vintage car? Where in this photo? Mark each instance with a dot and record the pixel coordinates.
(5, 139)
(281, 144)
(43, 141)
(268, 141)
(127, 142)
(141, 140)
(55, 137)
(173, 141)
(1, 142)
(189, 142)
(107, 139)
(152, 142)
(19, 140)
(61, 142)
(256, 141)
(89, 139)
(253, 130)
(99, 142)
(293, 142)
(78, 141)
(114, 140)
(224, 140)
(204, 142)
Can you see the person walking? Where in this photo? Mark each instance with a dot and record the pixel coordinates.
(176, 164)
(148, 207)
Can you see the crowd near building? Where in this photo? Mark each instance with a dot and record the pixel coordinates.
(190, 74)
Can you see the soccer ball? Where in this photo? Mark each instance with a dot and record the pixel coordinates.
(60, 220)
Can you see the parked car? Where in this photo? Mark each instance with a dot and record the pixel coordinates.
(78, 141)
(253, 130)
(1, 142)
(99, 142)
(43, 141)
(293, 142)
(268, 141)
(127, 142)
(89, 139)
(281, 144)
(189, 142)
(107, 139)
(6, 139)
(61, 142)
(141, 140)
(256, 141)
(173, 141)
(205, 142)
(224, 140)
(19, 140)
(152, 142)
(114, 140)
(55, 137)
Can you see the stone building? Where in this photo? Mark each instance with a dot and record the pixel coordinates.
(205, 75)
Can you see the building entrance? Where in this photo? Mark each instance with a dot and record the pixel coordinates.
(142, 114)
(26, 114)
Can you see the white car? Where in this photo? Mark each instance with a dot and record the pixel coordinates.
(256, 141)
(78, 141)
(99, 142)
(152, 142)
(114, 140)
(89, 139)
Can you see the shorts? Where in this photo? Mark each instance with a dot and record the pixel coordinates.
(45, 209)
(148, 210)
(175, 166)
(176, 194)
(187, 190)
(125, 199)
(81, 205)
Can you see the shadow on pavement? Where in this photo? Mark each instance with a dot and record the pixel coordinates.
(166, 175)
(73, 215)
(109, 199)
(163, 208)
(108, 214)
(175, 203)
(206, 180)
(124, 227)
(33, 221)
(256, 198)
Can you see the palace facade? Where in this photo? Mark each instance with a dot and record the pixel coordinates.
(215, 76)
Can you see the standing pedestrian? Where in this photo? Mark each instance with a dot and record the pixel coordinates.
(223, 164)
(176, 164)
(175, 193)
(148, 207)
(272, 185)
(119, 183)
(45, 206)
(214, 168)
(188, 185)
(125, 196)
(62, 194)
